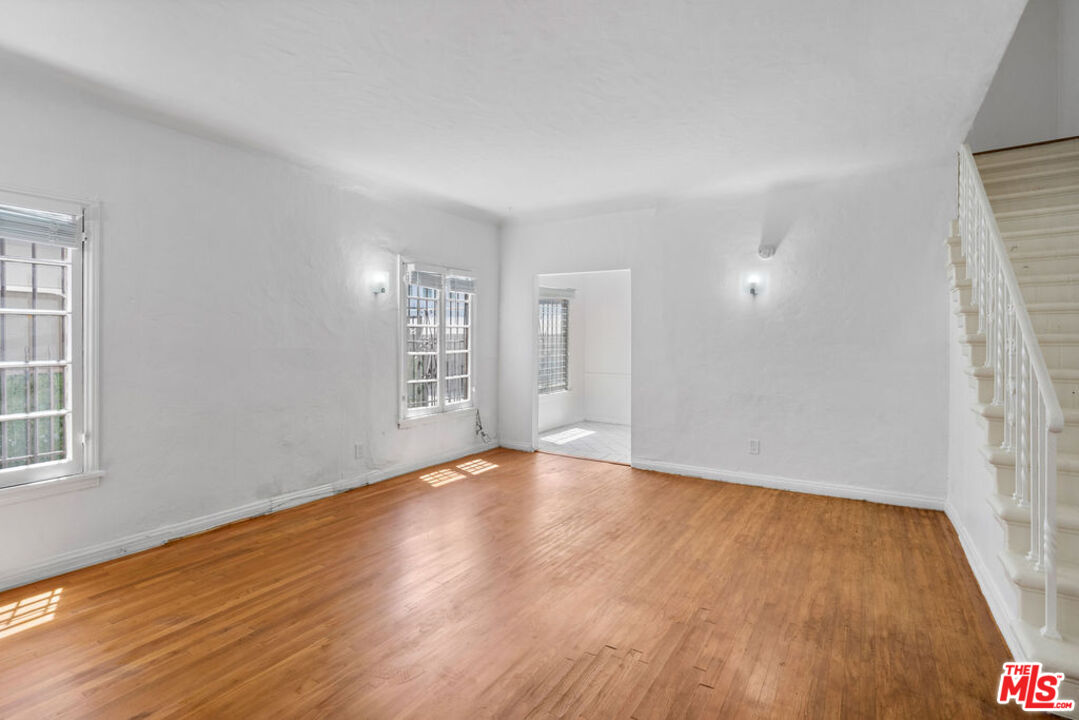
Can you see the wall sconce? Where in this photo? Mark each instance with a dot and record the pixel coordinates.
(377, 282)
(753, 283)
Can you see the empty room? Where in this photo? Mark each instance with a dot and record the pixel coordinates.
(539, 359)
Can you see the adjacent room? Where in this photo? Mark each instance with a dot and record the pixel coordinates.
(538, 359)
(583, 356)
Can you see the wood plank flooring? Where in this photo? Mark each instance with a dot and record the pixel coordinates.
(513, 585)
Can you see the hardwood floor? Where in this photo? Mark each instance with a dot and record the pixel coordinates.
(514, 585)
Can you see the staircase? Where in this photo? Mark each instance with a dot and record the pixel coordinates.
(1034, 197)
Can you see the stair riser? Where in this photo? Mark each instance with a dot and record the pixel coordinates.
(1067, 484)
(975, 353)
(995, 187)
(1048, 292)
(1051, 201)
(1044, 322)
(1018, 540)
(1055, 322)
(1060, 355)
(1067, 391)
(1067, 442)
(960, 295)
(1045, 266)
(1042, 243)
(1052, 222)
(1032, 609)
(1058, 169)
(1012, 156)
(1025, 267)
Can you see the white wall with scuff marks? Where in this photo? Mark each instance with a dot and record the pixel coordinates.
(243, 353)
(838, 368)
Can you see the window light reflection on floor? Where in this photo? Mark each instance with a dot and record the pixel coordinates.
(566, 436)
(438, 478)
(477, 466)
(28, 612)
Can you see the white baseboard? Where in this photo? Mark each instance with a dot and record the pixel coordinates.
(852, 492)
(997, 607)
(113, 549)
(523, 447)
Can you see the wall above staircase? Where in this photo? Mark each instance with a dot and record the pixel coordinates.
(1035, 92)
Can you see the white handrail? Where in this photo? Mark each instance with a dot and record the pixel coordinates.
(1033, 418)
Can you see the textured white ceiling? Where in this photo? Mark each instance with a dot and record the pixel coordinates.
(523, 106)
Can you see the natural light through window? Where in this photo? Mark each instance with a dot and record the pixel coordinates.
(477, 466)
(561, 438)
(438, 478)
(28, 612)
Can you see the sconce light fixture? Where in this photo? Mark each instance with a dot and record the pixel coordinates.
(754, 284)
(378, 281)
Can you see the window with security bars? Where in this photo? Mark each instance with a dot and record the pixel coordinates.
(40, 344)
(437, 308)
(553, 345)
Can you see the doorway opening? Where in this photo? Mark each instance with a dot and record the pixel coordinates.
(583, 371)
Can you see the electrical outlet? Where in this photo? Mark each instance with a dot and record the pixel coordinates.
(754, 447)
(357, 451)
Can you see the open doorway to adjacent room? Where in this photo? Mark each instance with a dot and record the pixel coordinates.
(583, 365)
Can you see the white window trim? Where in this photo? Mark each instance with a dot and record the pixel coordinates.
(85, 447)
(405, 419)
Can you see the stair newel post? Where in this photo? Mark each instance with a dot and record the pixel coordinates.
(1051, 629)
(1037, 433)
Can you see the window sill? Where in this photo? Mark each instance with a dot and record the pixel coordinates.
(433, 417)
(45, 488)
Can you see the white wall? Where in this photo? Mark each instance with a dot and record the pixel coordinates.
(838, 369)
(1034, 95)
(243, 355)
(608, 346)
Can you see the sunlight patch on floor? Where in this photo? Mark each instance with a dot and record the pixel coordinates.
(28, 612)
(438, 478)
(477, 466)
(566, 436)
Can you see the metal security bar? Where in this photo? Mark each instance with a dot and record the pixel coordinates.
(35, 352)
(553, 345)
(1033, 419)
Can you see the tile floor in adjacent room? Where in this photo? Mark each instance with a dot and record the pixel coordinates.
(592, 440)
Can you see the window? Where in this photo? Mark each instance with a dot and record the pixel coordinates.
(553, 345)
(437, 307)
(43, 369)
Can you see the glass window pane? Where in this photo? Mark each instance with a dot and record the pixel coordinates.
(14, 338)
(50, 287)
(48, 337)
(422, 395)
(457, 390)
(423, 367)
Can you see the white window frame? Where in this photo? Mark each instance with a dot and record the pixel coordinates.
(409, 416)
(80, 469)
